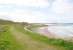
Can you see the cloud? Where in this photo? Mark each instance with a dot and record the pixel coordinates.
(61, 7)
(35, 3)
(45, 11)
(27, 16)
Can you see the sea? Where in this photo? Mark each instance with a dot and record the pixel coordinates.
(63, 30)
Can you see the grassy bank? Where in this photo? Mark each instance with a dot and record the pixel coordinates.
(7, 41)
(56, 42)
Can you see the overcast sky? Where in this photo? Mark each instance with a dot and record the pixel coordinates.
(44, 11)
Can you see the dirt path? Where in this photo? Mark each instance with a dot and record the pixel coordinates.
(28, 43)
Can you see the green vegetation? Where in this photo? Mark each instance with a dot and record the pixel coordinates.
(7, 41)
(50, 41)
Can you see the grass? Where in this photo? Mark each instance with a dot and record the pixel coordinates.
(56, 42)
(7, 41)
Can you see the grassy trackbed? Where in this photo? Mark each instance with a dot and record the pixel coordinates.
(55, 42)
(7, 41)
(28, 41)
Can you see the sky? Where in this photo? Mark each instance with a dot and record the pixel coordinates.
(37, 11)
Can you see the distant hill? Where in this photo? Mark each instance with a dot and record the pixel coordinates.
(5, 21)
